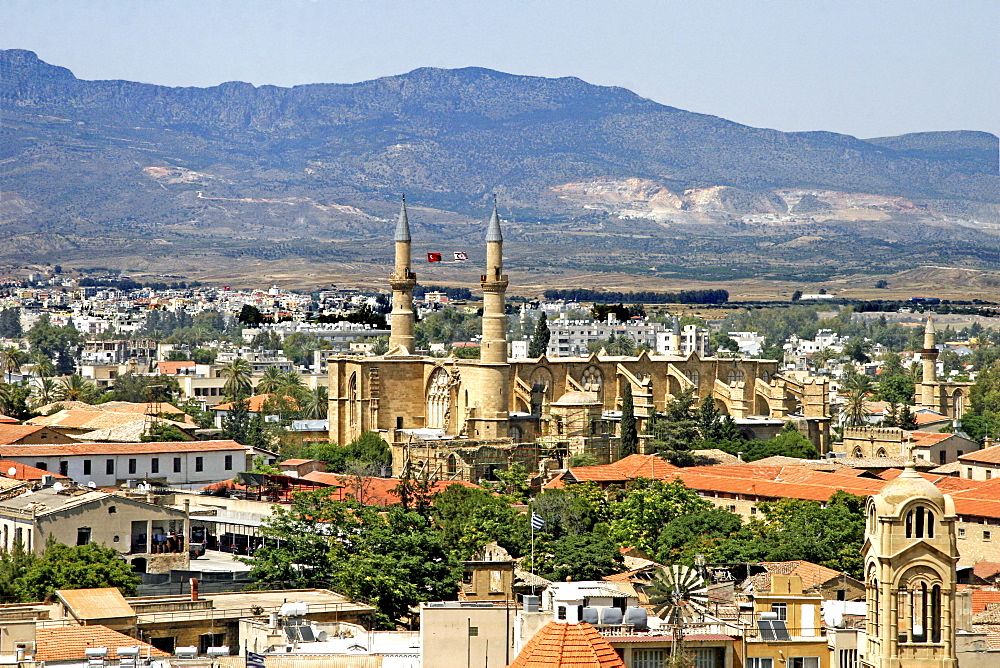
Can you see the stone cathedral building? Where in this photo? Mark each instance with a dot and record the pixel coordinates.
(464, 418)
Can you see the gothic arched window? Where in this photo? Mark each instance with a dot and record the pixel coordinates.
(438, 398)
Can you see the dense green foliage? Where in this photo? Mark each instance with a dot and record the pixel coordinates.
(27, 577)
(390, 558)
(540, 338)
(629, 435)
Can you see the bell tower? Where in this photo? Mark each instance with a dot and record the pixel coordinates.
(910, 556)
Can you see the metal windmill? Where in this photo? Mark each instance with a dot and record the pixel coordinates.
(679, 595)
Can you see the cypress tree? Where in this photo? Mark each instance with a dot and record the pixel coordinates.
(540, 339)
(629, 436)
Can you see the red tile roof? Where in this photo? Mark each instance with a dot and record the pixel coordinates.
(118, 448)
(68, 643)
(986, 569)
(374, 491)
(25, 472)
(989, 455)
(171, 368)
(256, 402)
(12, 433)
(570, 645)
(982, 598)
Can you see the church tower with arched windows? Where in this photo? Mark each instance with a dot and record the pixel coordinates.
(910, 556)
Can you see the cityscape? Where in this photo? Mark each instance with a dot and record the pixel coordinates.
(460, 367)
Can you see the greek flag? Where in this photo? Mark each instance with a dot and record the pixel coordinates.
(255, 660)
(536, 521)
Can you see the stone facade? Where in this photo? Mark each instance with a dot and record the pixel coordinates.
(427, 403)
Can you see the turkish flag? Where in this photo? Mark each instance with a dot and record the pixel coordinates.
(434, 257)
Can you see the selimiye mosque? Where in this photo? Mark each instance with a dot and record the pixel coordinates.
(468, 417)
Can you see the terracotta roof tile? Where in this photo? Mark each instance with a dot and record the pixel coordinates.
(571, 645)
(99, 603)
(989, 455)
(25, 472)
(71, 642)
(982, 598)
(117, 448)
(11, 433)
(171, 368)
(986, 569)
(256, 403)
(375, 491)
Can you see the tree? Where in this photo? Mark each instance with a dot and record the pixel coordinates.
(369, 447)
(830, 534)
(789, 442)
(469, 518)
(78, 567)
(10, 323)
(45, 391)
(41, 364)
(720, 341)
(629, 435)
(698, 532)
(250, 316)
(14, 400)
(139, 389)
(76, 388)
(856, 408)
(639, 516)
(163, 432)
(10, 361)
(237, 374)
(270, 382)
(570, 511)
(715, 428)
(675, 432)
(380, 345)
(588, 556)
(797, 295)
(858, 349)
(983, 417)
(540, 339)
(390, 558)
(316, 403)
(58, 343)
(512, 482)
(14, 564)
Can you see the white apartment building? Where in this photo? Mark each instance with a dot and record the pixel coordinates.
(751, 344)
(571, 338)
(183, 464)
(683, 341)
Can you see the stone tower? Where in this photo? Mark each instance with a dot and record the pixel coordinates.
(494, 282)
(910, 556)
(402, 281)
(928, 358)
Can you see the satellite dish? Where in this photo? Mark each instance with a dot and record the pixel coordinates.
(12, 470)
(92, 485)
(58, 487)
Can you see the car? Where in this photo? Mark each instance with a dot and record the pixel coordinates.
(196, 550)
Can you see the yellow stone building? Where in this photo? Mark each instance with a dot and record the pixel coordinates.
(910, 556)
(465, 417)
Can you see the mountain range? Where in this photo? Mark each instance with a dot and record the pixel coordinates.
(98, 170)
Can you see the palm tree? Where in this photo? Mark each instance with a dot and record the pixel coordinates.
(291, 384)
(75, 388)
(855, 409)
(271, 382)
(45, 391)
(10, 360)
(41, 363)
(315, 403)
(237, 373)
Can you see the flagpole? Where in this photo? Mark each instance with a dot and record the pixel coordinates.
(531, 521)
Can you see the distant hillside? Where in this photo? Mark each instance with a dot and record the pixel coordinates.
(117, 163)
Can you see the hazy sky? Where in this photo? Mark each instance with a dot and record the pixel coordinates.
(868, 68)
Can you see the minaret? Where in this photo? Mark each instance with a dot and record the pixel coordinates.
(494, 345)
(402, 281)
(928, 357)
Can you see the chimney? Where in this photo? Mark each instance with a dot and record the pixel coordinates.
(194, 589)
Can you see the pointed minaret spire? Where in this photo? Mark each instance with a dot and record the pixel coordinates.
(493, 231)
(402, 282)
(928, 392)
(403, 226)
(494, 344)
